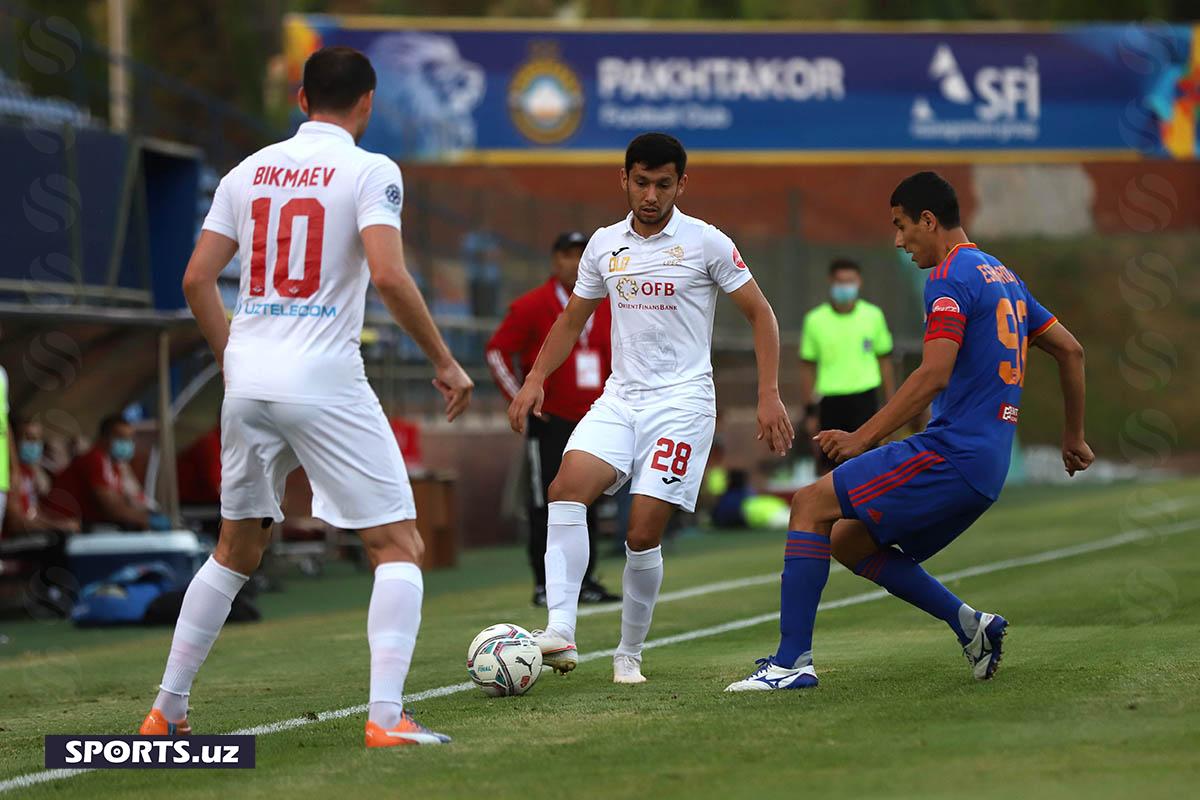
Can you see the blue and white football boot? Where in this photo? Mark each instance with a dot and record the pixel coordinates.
(985, 649)
(770, 676)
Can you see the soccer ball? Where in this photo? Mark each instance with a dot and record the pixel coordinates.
(503, 660)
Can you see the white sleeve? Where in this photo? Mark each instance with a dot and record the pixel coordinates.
(724, 263)
(590, 282)
(380, 194)
(221, 217)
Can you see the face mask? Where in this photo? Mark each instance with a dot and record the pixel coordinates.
(844, 293)
(121, 449)
(30, 452)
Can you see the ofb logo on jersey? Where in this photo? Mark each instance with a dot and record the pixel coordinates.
(1006, 102)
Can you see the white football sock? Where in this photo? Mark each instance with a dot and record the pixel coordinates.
(206, 605)
(393, 620)
(567, 556)
(639, 585)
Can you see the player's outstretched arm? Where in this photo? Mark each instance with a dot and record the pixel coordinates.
(918, 391)
(774, 426)
(385, 258)
(1068, 352)
(213, 251)
(562, 337)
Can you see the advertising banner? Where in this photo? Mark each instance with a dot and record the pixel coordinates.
(551, 92)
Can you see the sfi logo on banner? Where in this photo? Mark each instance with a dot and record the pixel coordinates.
(1006, 101)
(545, 97)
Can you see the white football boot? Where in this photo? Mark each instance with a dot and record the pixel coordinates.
(985, 649)
(557, 653)
(627, 669)
(770, 676)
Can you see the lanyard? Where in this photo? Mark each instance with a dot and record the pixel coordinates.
(586, 333)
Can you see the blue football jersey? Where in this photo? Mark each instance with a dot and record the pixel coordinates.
(976, 301)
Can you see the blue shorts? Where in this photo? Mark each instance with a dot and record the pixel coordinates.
(908, 495)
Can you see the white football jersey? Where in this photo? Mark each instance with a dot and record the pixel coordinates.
(296, 209)
(663, 291)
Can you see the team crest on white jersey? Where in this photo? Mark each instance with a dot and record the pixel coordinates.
(627, 287)
(674, 256)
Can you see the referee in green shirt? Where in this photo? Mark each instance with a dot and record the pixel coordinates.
(845, 353)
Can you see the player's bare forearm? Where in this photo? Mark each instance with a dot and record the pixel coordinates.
(385, 258)
(917, 392)
(758, 312)
(914, 394)
(1068, 352)
(213, 251)
(561, 339)
(404, 302)
(555, 349)
(384, 249)
(774, 425)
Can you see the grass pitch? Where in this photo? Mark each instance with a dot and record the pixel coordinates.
(1096, 697)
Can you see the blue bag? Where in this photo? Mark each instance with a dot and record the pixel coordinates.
(123, 596)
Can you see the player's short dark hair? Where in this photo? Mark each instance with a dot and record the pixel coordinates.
(839, 264)
(336, 77)
(928, 191)
(655, 149)
(110, 423)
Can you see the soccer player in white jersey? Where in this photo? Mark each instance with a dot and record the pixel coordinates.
(311, 219)
(653, 425)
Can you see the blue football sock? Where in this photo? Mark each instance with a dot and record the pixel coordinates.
(905, 578)
(805, 571)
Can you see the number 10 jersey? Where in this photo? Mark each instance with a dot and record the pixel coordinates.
(296, 210)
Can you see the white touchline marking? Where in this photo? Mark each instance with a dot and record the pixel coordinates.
(1137, 535)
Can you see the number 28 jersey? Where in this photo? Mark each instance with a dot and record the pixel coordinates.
(973, 299)
(296, 209)
(663, 293)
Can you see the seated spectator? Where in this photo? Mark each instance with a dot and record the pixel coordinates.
(27, 511)
(105, 491)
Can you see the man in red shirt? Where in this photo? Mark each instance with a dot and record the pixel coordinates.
(27, 511)
(570, 392)
(102, 484)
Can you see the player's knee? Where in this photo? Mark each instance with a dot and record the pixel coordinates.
(802, 500)
(394, 543)
(240, 553)
(564, 490)
(641, 537)
(808, 508)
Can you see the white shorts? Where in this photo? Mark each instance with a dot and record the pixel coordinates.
(662, 449)
(348, 452)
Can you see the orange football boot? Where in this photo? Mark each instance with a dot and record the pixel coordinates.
(156, 724)
(408, 731)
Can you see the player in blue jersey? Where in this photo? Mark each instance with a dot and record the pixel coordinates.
(883, 511)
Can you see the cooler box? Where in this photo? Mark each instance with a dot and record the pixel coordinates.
(95, 556)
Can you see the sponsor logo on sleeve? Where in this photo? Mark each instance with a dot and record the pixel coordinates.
(945, 304)
(391, 197)
(737, 259)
